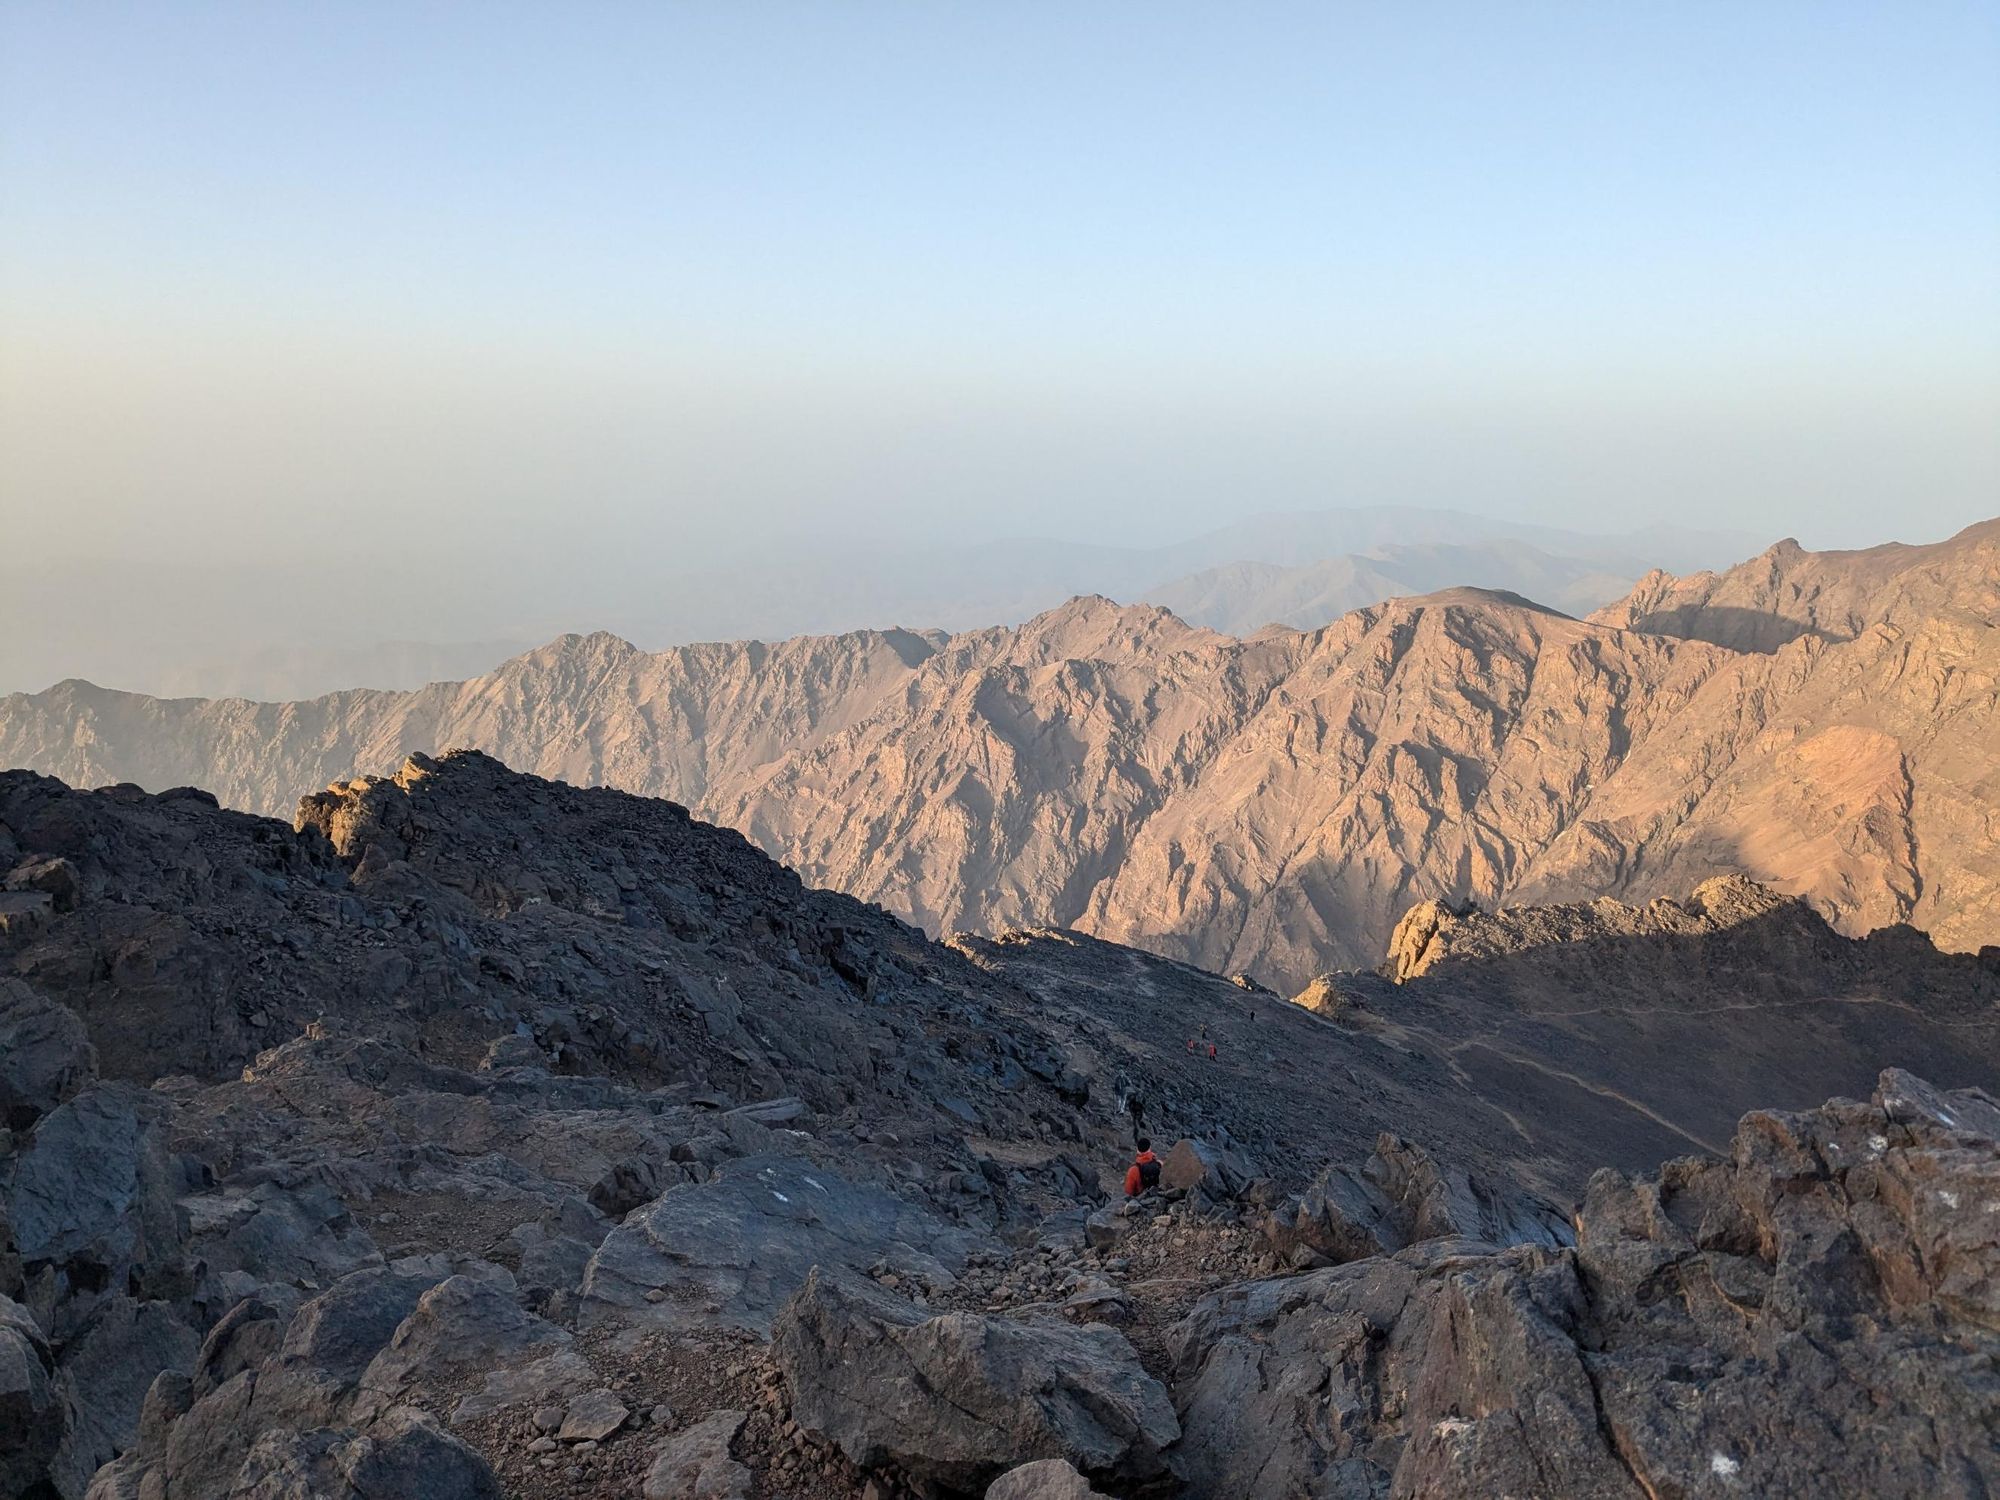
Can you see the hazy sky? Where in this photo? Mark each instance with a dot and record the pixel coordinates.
(556, 298)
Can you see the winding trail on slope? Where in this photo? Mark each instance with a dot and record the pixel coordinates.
(1603, 1091)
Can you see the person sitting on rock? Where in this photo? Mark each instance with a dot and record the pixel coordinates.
(1144, 1173)
(1202, 1043)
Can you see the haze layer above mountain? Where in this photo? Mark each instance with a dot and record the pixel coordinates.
(1272, 803)
(301, 631)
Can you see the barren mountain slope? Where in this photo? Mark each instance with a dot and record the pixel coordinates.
(1270, 803)
(481, 1135)
(592, 709)
(1427, 746)
(1858, 764)
(1786, 592)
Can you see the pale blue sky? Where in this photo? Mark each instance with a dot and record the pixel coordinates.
(576, 289)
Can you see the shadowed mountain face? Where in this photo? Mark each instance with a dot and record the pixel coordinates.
(1271, 804)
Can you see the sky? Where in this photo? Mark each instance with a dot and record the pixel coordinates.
(425, 320)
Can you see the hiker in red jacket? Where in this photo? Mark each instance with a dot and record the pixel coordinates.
(1144, 1173)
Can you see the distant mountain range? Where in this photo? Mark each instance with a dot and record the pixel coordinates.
(1827, 723)
(291, 633)
(1241, 598)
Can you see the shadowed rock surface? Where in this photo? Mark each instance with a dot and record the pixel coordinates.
(1741, 1326)
(1400, 1196)
(959, 1398)
(482, 1128)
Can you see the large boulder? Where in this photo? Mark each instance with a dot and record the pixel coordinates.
(1818, 1314)
(1401, 1196)
(45, 1055)
(288, 1228)
(1323, 997)
(1216, 1167)
(1296, 1386)
(294, 1377)
(53, 876)
(33, 1420)
(1044, 1479)
(402, 1454)
(104, 1374)
(697, 1464)
(92, 1203)
(728, 1252)
(463, 1325)
(958, 1399)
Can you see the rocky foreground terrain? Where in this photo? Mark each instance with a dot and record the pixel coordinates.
(479, 1135)
(1826, 723)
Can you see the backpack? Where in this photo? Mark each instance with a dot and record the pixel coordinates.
(1149, 1174)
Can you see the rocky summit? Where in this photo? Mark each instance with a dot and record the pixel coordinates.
(478, 1135)
(1825, 723)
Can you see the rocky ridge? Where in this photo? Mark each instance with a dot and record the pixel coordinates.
(482, 1135)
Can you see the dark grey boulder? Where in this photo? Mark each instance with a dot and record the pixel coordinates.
(960, 1398)
(1296, 1386)
(401, 1456)
(1818, 1314)
(290, 1229)
(697, 1464)
(104, 1374)
(91, 1200)
(51, 875)
(462, 1325)
(293, 1378)
(1044, 1479)
(33, 1419)
(1399, 1197)
(728, 1252)
(45, 1055)
(1216, 1168)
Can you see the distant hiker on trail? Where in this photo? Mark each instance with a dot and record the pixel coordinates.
(1202, 1043)
(1134, 1104)
(1144, 1173)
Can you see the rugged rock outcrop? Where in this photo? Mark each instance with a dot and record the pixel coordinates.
(1400, 1196)
(1044, 1479)
(959, 1398)
(1821, 722)
(34, 1425)
(1750, 1325)
(697, 1464)
(45, 1055)
(733, 1249)
(478, 1127)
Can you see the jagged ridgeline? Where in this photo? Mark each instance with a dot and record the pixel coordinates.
(1825, 723)
(476, 1134)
